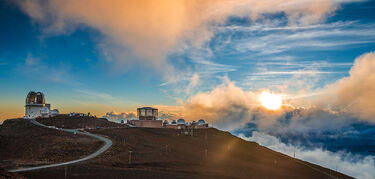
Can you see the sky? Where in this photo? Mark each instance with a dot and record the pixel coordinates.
(207, 59)
(124, 57)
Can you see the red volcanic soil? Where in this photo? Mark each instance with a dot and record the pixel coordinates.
(171, 153)
(25, 144)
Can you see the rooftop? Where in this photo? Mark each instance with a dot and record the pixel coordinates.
(146, 108)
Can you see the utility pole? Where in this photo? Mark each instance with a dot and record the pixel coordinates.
(205, 137)
(66, 173)
(130, 157)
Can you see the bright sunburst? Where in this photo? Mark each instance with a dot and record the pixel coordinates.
(270, 101)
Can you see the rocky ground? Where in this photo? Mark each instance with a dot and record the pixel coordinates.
(25, 144)
(75, 122)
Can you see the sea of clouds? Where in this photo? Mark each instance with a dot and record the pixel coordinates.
(345, 162)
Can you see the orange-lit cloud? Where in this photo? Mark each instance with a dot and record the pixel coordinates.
(355, 94)
(227, 105)
(147, 30)
(351, 97)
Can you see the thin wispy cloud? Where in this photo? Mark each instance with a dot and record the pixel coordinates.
(57, 73)
(296, 72)
(275, 37)
(3, 62)
(277, 25)
(96, 95)
(284, 64)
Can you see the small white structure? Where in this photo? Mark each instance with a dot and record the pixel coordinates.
(36, 107)
(54, 112)
(79, 114)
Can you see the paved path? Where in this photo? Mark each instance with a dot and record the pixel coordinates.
(108, 144)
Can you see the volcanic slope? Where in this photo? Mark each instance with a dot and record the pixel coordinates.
(74, 122)
(171, 153)
(25, 144)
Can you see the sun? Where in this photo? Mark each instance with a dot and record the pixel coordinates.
(270, 101)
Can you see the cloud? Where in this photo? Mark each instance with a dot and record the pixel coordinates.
(273, 38)
(164, 115)
(147, 30)
(117, 117)
(193, 83)
(30, 60)
(355, 94)
(349, 98)
(96, 95)
(194, 80)
(347, 163)
(58, 73)
(227, 105)
(230, 107)
(299, 72)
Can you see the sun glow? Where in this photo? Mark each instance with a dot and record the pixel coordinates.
(270, 101)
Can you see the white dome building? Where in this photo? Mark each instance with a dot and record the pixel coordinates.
(35, 106)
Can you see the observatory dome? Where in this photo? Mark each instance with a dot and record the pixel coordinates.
(35, 98)
(201, 122)
(181, 121)
(44, 111)
(54, 112)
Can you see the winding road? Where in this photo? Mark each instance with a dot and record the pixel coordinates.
(106, 146)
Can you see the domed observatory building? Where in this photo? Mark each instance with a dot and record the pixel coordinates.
(36, 107)
(201, 122)
(181, 121)
(197, 125)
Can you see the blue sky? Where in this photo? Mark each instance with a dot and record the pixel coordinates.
(74, 71)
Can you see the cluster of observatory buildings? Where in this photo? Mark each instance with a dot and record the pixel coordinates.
(36, 107)
(148, 117)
